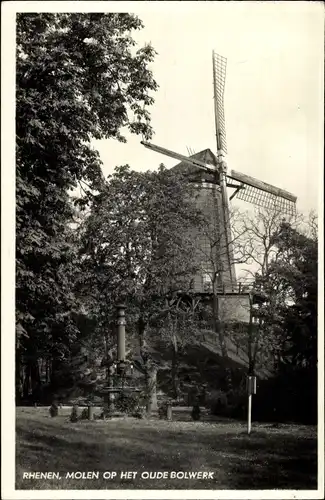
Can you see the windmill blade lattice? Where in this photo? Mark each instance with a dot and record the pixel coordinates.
(264, 199)
(219, 78)
(263, 194)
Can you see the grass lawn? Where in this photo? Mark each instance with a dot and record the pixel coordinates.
(282, 458)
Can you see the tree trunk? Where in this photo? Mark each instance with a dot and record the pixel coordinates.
(218, 327)
(35, 379)
(27, 381)
(175, 374)
(47, 370)
(219, 330)
(152, 389)
(175, 360)
(150, 370)
(19, 378)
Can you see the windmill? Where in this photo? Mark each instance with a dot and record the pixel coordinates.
(216, 179)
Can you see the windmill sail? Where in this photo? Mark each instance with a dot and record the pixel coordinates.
(167, 152)
(219, 78)
(265, 195)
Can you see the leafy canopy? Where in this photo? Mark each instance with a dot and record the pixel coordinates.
(79, 77)
(136, 243)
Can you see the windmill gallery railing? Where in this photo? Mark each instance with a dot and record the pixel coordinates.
(223, 289)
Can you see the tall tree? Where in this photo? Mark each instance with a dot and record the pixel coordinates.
(79, 77)
(137, 248)
(296, 272)
(179, 327)
(257, 247)
(292, 280)
(280, 272)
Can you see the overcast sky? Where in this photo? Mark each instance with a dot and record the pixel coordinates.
(273, 97)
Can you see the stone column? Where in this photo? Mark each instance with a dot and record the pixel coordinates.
(120, 332)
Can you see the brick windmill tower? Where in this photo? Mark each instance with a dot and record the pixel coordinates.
(210, 174)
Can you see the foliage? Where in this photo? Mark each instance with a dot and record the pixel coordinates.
(178, 328)
(216, 401)
(84, 414)
(284, 335)
(133, 240)
(296, 272)
(54, 409)
(289, 396)
(165, 410)
(231, 403)
(196, 412)
(285, 279)
(79, 77)
(135, 246)
(74, 414)
(129, 403)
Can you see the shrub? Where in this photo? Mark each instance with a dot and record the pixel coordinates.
(128, 403)
(163, 410)
(84, 414)
(196, 412)
(74, 414)
(106, 413)
(54, 409)
(140, 413)
(217, 402)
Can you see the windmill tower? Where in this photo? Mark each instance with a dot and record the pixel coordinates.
(213, 180)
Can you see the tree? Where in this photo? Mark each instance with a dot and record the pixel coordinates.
(257, 246)
(293, 276)
(296, 271)
(79, 77)
(178, 327)
(136, 248)
(281, 336)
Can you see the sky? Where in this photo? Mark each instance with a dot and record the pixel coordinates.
(273, 93)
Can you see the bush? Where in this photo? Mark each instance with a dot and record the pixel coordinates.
(196, 412)
(217, 402)
(287, 397)
(106, 413)
(54, 409)
(84, 414)
(74, 414)
(162, 410)
(165, 410)
(228, 404)
(140, 413)
(128, 403)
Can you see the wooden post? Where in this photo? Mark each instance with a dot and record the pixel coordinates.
(90, 413)
(249, 414)
(152, 388)
(251, 389)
